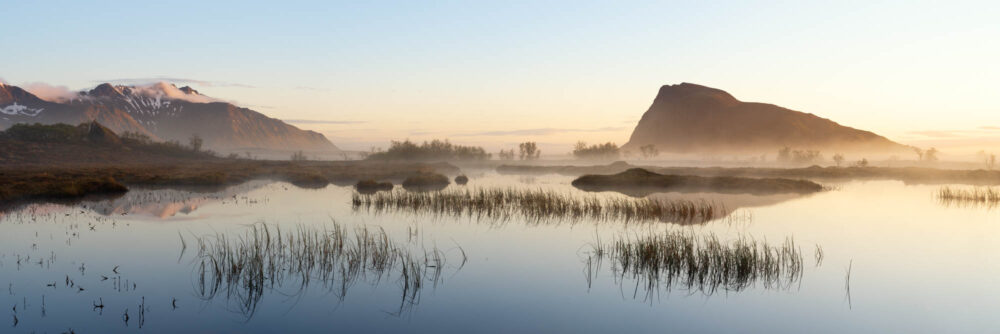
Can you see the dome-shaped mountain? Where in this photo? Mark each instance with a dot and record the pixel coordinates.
(689, 118)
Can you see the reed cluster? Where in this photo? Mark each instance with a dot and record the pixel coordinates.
(686, 261)
(267, 257)
(978, 196)
(535, 205)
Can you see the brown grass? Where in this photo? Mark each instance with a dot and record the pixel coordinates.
(244, 266)
(684, 260)
(976, 196)
(503, 204)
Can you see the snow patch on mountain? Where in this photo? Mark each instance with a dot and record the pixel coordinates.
(162, 90)
(17, 109)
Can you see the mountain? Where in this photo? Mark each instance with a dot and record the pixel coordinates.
(689, 118)
(163, 112)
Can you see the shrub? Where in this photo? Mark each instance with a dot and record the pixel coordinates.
(372, 186)
(426, 181)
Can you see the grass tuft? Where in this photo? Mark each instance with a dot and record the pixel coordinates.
(684, 260)
(976, 196)
(502, 204)
(265, 257)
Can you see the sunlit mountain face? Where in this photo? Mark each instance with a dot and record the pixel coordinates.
(163, 112)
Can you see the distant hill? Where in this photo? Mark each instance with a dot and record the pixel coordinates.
(163, 112)
(60, 145)
(689, 118)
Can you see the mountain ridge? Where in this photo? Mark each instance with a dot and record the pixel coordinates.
(163, 112)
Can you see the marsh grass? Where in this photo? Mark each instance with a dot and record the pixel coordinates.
(686, 261)
(245, 266)
(976, 196)
(537, 205)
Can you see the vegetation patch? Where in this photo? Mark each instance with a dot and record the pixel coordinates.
(57, 187)
(372, 186)
(426, 181)
(242, 267)
(504, 204)
(640, 178)
(686, 261)
(977, 196)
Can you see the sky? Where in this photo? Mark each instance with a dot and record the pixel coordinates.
(555, 72)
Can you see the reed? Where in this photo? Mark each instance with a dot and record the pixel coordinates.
(686, 261)
(266, 257)
(975, 196)
(536, 205)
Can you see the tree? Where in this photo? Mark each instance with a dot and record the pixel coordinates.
(838, 158)
(919, 152)
(299, 156)
(649, 151)
(931, 154)
(506, 154)
(862, 163)
(785, 154)
(529, 150)
(992, 162)
(195, 142)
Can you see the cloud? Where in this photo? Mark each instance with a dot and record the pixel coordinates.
(990, 127)
(164, 89)
(423, 133)
(51, 93)
(313, 89)
(538, 132)
(938, 133)
(175, 80)
(320, 121)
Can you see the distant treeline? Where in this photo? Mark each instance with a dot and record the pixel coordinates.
(606, 151)
(432, 150)
(611, 151)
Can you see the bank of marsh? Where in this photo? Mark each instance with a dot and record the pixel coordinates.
(536, 205)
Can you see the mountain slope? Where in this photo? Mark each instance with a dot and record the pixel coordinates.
(162, 112)
(689, 118)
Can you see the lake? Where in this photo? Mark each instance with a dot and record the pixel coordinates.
(873, 256)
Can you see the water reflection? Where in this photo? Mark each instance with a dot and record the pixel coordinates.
(882, 240)
(166, 203)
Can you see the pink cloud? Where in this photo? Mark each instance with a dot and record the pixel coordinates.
(51, 93)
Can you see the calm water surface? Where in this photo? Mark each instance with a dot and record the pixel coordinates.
(915, 266)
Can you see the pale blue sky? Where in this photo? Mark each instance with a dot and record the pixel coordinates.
(495, 73)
